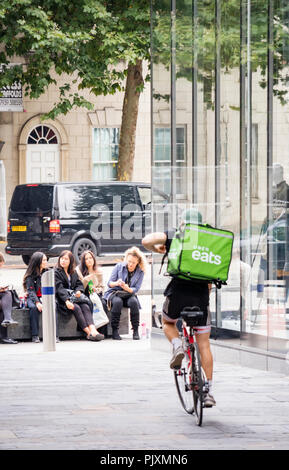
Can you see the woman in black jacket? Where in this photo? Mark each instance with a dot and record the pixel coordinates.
(66, 281)
(32, 286)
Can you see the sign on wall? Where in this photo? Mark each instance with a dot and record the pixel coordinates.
(11, 97)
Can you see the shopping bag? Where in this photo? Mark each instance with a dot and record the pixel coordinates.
(99, 316)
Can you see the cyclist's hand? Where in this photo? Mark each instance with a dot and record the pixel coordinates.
(160, 249)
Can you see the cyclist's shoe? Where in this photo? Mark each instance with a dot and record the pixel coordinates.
(178, 356)
(209, 400)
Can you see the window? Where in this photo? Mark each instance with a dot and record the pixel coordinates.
(254, 164)
(145, 195)
(83, 198)
(105, 154)
(162, 160)
(254, 160)
(42, 135)
(32, 198)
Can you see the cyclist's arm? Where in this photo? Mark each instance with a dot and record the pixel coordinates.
(155, 242)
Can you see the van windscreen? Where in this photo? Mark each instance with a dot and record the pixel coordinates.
(32, 198)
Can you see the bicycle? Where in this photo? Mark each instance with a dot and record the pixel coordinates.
(190, 378)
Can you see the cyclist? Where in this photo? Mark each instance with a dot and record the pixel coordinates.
(180, 294)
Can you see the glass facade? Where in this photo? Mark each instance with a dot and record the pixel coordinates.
(220, 84)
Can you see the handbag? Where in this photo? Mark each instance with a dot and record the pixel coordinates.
(82, 299)
(123, 294)
(15, 298)
(99, 316)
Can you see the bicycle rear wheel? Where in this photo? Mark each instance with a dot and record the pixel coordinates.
(183, 384)
(198, 380)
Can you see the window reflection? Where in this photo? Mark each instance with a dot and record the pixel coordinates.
(220, 107)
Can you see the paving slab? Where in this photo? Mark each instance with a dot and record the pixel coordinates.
(120, 395)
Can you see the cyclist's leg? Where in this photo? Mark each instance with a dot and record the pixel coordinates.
(169, 321)
(205, 352)
(170, 329)
(207, 363)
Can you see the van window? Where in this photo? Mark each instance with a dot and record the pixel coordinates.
(145, 195)
(32, 198)
(83, 198)
(160, 198)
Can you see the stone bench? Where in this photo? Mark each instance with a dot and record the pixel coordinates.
(67, 326)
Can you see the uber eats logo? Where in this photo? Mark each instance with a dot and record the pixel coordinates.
(203, 253)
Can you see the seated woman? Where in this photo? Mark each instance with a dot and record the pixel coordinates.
(91, 276)
(5, 310)
(66, 281)
(32, 286)
(125, 281)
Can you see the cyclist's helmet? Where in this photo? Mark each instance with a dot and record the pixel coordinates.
(191, 216)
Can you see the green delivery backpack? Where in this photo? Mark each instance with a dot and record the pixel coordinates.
(201, 252)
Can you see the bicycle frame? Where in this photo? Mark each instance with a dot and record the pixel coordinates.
(190, 336)
(195, 383)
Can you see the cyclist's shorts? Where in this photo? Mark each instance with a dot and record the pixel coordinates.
(175, 303)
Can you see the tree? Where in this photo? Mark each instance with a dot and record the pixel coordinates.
(98, 44)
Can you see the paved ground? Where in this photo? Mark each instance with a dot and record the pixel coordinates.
(121, 395)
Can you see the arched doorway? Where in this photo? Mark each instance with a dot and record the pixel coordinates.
(52, 135)
(42, 155)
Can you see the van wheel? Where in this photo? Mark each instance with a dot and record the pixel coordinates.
(81, 245)
(26, 259)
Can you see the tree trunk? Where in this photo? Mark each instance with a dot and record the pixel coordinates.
(129, 120)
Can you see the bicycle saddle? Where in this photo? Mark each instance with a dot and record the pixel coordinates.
(192, 315)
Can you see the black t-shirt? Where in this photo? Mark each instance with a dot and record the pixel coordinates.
(195, 286)
(129, 276)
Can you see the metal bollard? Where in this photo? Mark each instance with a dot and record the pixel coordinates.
(48, 311)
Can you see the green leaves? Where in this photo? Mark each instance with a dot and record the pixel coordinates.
(66, 104)
(89, 38)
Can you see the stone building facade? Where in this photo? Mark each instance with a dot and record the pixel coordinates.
(37, 150)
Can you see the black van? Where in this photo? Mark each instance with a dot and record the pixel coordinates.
(106, 218)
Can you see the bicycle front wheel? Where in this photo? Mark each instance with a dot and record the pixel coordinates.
(183, 385)
(198, 380)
